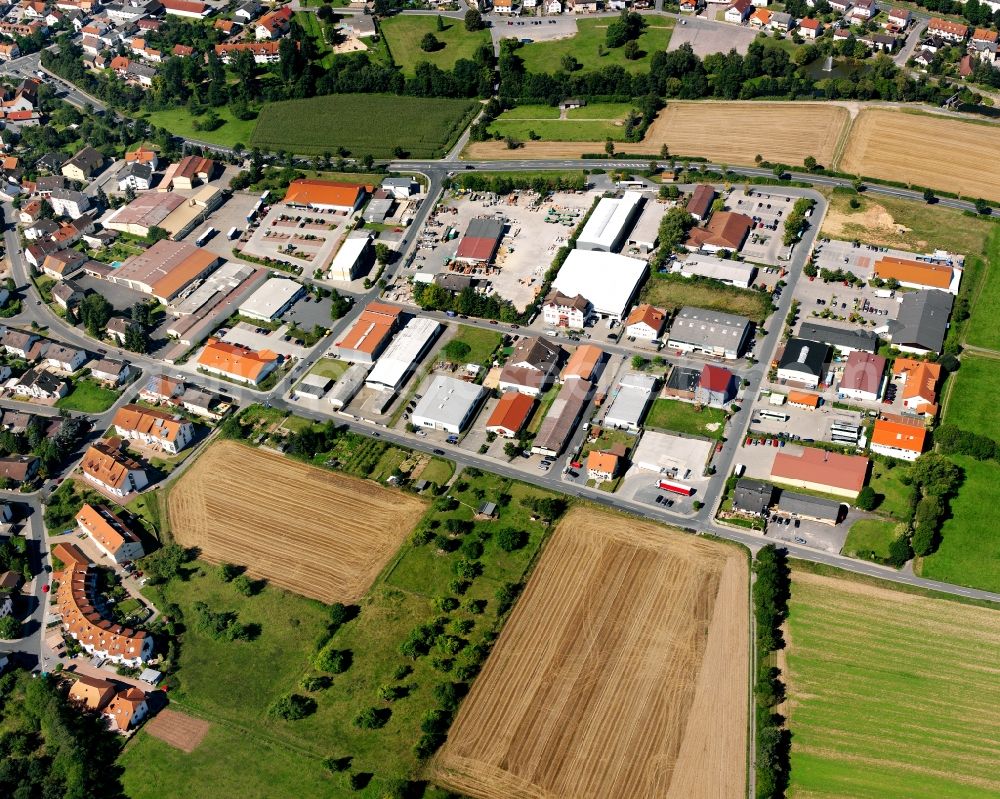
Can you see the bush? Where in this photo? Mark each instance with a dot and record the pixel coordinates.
(293, 707)
(867, 498)
(228, 572)
(10, 628)
(243, 585)
(335, 661)
(509, 539)
(372, 718)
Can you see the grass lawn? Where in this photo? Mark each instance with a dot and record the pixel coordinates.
(364, 124)
(607, 439)
(586, 45)
(558, 129)
(544, 403)
(870, 535)
(313, 27)
(404, 32)
(971, 403)
(531, 112)
(180, 122)
(330, 367)
(683, 417)
(88, 396)
(892, 695)
(438, 471)
(481, 343)
(969, 553)
(601, 111)
(674, 291)
(982, 329)
(888, 485)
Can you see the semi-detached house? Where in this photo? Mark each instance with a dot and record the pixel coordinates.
(110, 533)
(155, 428)
(109, 468)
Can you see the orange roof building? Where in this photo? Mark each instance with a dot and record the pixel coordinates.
(325, 195)
(110, 533)
(583, 362)
(645, 322)
(918, 274)
(112, 470)
(237, 362)
(895, 437)
(91, 693)
(948, 29)
(76, 605)
(127, 709)
(142, 156)
(725, 231)
(819, 470)
(803, 399)
(165, 269)
(920, 382)
(370, 334)
(154, 428)
(602, 466)
(510, 414)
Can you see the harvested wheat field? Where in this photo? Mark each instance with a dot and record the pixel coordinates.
(319, 534)
(925, 150)
(621, 672)
(890, 695)
(180, 730)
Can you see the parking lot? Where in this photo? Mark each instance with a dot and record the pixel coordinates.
(768, 211)
(829, 538)
(259, 338)
(231, 214)
(538, 30)
(707, 36)
(803, 424)
(306, 239)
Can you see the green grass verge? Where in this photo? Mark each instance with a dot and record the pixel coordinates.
(600, 111)
(313, 28)
(438, 471)
(683, 417)
(982, 330)
(971, 401)
(530, 112)
(403, 34)
(558, 130)
(364, 124)
(890, 696)
(88, 396)
(894, 497)
(180, 122)
(674, 291)
(589, 42)
(330, 367)
(870, 535)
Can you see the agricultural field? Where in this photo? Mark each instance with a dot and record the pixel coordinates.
(899, 146)
(589, 124)
(316, 533)
(178, 729)
(684, 417)
(673, 292)
(891, 695)
(622, 672)
(403, 34)
(364, 124)
(588, 43)
(971, 397)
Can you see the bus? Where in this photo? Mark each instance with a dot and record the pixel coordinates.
(631, 184)
(777, 416)
(204, 237)
(233, 233)
(843, 438)
(674, 487)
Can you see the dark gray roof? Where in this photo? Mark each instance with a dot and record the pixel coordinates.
(88, 159)
(752, 496)
(484, 227)
(452, 281)
(706, 328)
(863, 340)
(683, 379)
(805, 356)
(811, 507)
(141, 171)
(923, 320)
(50, 161)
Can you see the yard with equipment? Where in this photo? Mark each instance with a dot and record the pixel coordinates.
(365, 124)
(622, 672)
(890, 694)
(901, 146)
(403, 34)
(590, 49)
(317, 533)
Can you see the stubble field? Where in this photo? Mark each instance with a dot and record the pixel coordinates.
(891, 695)
(319, 534)
(180, 730)
(621, 672)
(908, 147)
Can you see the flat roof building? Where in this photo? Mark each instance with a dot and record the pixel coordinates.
(165, 269)
(732, 273)
(631, 398)
(610, 223)
(610, 281)
(349, 384)
(803, 362)
(481, 241)
(146, 211)
(562, 418)
(843, 339)
(370, 333)
(403, 354)
(272, 299)
(722, 335)
(669, 455)
(352, 259)
(448, 404)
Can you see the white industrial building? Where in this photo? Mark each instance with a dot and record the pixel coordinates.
(631, 398)
(403, 354)
(733, 273)
(714, 333)
(671, 456)
(348, 385)
(272, 299)
(351, 259)
(610, 223)
(448, 404)
(609, 281)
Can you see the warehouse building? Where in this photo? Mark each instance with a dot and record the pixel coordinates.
(559, 423)
(325, 195)
(732, 273)
(610, 223)
(401, 357)
(609, 281)
(802, 362)
(348, 386)
(843, 339)
(272, 299)
(631, 398)
(819, 470)
(481, 241)
(715, 333)
(370, 334)
(448, 404)
(353, 258)
(165, 269)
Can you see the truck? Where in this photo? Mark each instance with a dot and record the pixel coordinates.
(233, 233)
(204, 237)
(675, 487)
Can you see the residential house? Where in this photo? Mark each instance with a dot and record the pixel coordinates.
(716, 386)
(206, 404)
(273, 25)
(559, 310)
(532, 366)
(898, 437)
(17, 342)
(84, 165)
(135, 176)
(9, 51)
(19, 468)
(40, 383)
(117, 328)
(63, 263)
(840, 6)
(110, 371)
(90, 693)
(109, 467)
(864, 9)
(511, 414)
(699, 205)
(946, 29)
(602, 466)
(247, 12)
(780, 21)
(810, 28)
(143, 156)
(128, 709)
(900, 18)
(237, 362)
(182, 51)
(761, 18)
(190, 9)
(645, 322)
(30, 212)
(738, 11)
(862, 378)
(154, 428)
(110, 533)
(725, 231)
(263, 52)
(64, 358)
(920, 381)
(41, 230)
(67, 294)
(66, 202)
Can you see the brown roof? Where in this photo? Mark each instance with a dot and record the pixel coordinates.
(167, 267)
(701, 200)
(70, 554)
(105, 462)
(511, 412)
(149, 421)
(235, 359)
(257, 48)
(193, 166)
(90, 692)
(653, 317)
(917, 272)
(17, 467)
(105, 527)
(844, 472)
(583, 361)
(556, 297)
(142, 156)
(725, 229)
(372, 329)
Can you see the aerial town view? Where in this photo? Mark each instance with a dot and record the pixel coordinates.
(500, 399)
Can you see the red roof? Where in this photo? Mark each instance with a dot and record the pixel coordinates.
(809, 24)
(716, 378)
(511, 412)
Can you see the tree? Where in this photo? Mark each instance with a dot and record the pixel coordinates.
(10, 628)
(638, 361)
(510, 538)
(809, 163)
(511, 449)
(293, 707)
(382, 253)
(929, 196)
(440, 23)
(243, 585)
(335, 661)
(95, 311)
(983, 207)
(867, 498)
(474, 21)
(569, 63)
(429, 43)
(457, 350)
(609, 146)
(228, 572)
(339, 305)
(631, 50)
(136, 339)
(372, 718)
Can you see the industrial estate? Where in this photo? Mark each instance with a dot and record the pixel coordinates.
(499, 398)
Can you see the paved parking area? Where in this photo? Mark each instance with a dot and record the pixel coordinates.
(307, 239)
(769, 211)
(308, 312)
(707, 36)
(829, 538)
(232, 213)
(804, 423)
(526, 28)
(248, 336)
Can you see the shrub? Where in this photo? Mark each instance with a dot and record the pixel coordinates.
(372, 718)
(335, 661)
(509, 539)
(293, 707)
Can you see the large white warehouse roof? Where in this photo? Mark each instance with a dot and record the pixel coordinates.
(608, 280)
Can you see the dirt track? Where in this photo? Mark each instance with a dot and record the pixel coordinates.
(316, 533)
(621, 673)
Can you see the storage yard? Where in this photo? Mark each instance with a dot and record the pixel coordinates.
(615, 675)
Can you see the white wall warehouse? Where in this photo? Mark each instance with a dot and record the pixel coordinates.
(402, 355)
